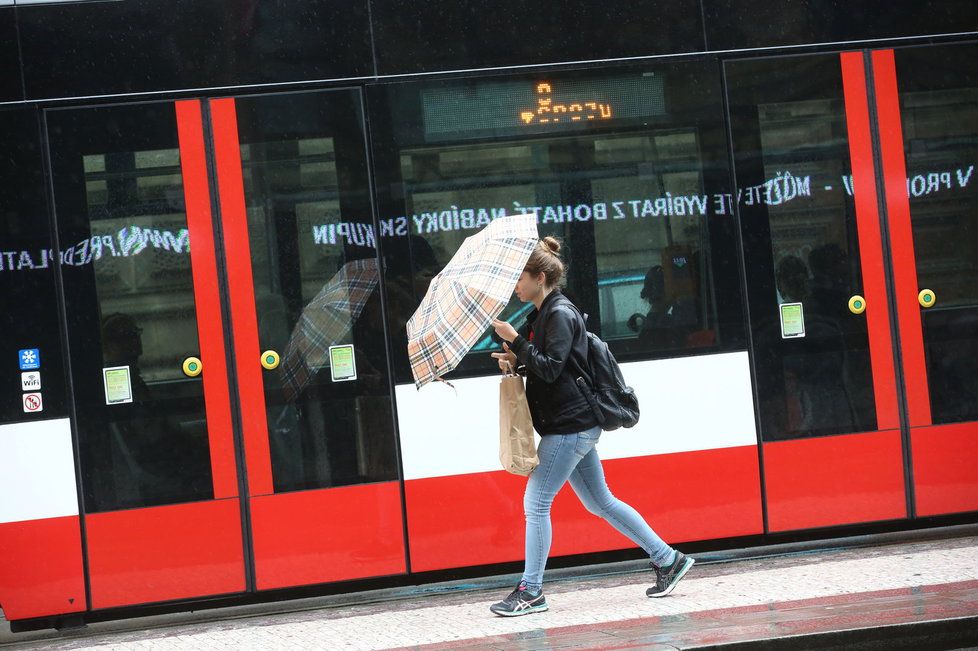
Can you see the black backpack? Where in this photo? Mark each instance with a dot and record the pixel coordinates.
(613, 402)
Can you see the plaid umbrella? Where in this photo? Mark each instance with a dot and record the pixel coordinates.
(468, 294)
(325, 321)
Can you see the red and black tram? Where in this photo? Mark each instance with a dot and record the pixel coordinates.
(769, 213)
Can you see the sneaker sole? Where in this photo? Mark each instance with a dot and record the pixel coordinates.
(518, 613)
(672, 586)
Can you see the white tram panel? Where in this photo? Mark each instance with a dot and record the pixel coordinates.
(37, 471)
(688, 404)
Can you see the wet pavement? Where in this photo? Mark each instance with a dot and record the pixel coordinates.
(901, 595)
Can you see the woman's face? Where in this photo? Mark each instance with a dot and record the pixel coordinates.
(529, 287)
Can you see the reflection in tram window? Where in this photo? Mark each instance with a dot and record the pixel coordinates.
(314, 263)
(800, 246)
(29, 318)
(130, 302)
(939, 112)
(642, 206)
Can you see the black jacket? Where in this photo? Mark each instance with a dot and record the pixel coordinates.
(553, 347)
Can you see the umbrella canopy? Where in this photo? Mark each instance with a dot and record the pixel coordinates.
(325, 321)
(468, 294)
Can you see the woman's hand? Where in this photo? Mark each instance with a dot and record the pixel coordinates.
(507, 360)
(505, 330)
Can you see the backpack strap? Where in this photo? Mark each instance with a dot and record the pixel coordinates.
(580, 371)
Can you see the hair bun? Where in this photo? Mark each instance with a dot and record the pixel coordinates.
(552, 244)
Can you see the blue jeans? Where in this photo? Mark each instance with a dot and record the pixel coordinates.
(573, 457)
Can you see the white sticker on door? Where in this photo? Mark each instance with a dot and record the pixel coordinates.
(118, 385)
(792, 320)
(33, 403)
(342, 363)
(30, 381)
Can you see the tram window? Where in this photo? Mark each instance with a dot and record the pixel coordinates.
(800, 245)
(939, 111)
(316, 278)
(641, 203)
(29, 318)
(129, 299)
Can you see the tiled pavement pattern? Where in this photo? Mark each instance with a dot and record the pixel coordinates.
(888, 584)
(794, 624)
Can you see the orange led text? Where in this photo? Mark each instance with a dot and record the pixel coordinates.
(547, 111)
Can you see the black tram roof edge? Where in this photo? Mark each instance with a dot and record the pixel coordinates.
(76, 101)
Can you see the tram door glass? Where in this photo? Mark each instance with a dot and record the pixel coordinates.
(939, 114)
(627, 167)
(317, 291)
(130, 308)
(797, 214)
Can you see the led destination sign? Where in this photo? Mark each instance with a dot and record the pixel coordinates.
(504, 108)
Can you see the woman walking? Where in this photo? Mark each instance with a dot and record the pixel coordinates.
(553, 350)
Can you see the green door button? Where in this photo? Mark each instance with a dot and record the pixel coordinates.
(270, 360)
(192, 367)
(857, 304)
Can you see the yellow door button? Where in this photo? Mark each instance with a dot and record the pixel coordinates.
(192, 367)
(857, 304)
(270, 359)
(926, 298)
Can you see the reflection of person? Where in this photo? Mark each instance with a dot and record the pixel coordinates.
(553, 349)
(322, 434)
(792, 279)
(122, 345)
(136, 443)
(656, 326)
(668, 323)
(830, 287)
(814, 367)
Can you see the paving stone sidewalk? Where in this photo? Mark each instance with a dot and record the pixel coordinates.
(590, 611)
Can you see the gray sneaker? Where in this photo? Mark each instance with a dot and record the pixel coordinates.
(520, 601)
(667, 577)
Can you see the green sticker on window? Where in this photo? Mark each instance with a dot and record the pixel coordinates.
(342, 363)
(118, 385)
(792, 320)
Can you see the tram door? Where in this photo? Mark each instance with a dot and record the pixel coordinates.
(309, 339)
(162, 518)
(928, 114)
(839, 373)
(234, 448)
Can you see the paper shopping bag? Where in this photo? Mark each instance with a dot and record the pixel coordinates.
(517, 447)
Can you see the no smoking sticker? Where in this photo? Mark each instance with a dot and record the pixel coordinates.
(33, 403)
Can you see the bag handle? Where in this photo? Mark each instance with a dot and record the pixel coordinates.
(507, 373)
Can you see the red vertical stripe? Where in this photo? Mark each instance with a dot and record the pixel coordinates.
(870, 241)
(234, 220)
(203, 263)
(901, 238)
